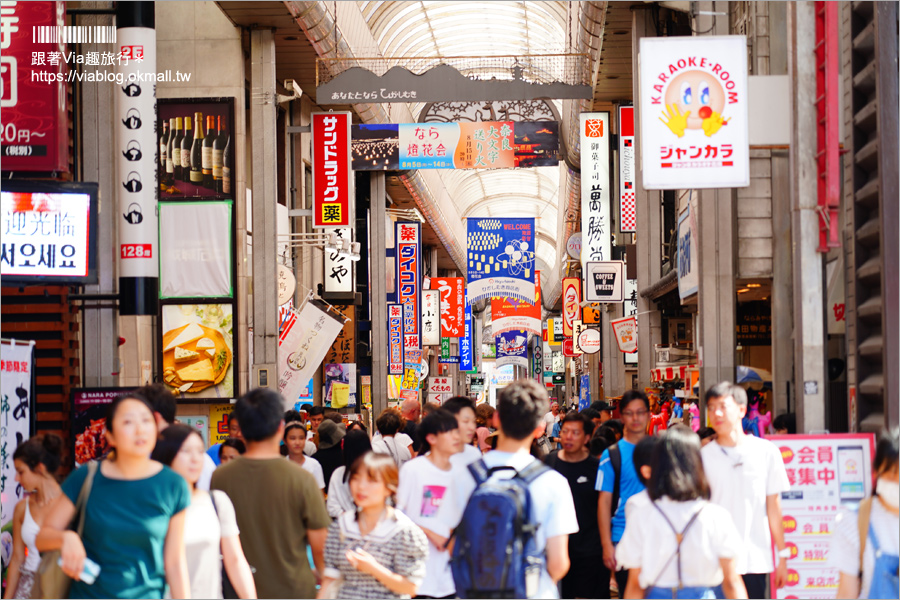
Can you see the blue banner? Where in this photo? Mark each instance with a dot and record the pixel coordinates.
(500, 257)
(584, 401)
(466, 357)
(512, 348)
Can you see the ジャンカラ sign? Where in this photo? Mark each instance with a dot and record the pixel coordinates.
(332, 173)
(694, 112)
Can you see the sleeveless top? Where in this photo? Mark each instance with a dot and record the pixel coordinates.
(29, 533)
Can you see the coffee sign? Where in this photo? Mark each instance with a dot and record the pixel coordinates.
(604, 281)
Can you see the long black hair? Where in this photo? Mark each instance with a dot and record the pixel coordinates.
(44, 449)
(676, 469)
(356, 443)
(170, 441)
(886, 452)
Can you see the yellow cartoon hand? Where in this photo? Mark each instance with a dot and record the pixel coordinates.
(676, 121)
(713, 123)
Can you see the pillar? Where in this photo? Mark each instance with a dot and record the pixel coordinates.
(378, 296)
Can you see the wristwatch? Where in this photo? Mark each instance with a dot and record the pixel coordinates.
(784, 553)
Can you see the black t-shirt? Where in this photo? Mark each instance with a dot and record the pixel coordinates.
(410, 430)
(582, 478)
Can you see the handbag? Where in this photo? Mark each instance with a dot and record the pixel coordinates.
(49, 580)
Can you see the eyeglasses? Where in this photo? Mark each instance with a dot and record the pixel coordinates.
(632, 414)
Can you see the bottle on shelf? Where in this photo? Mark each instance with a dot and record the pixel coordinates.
(218, 150)
(173, 152)
(186, 142)
(226, 167)
(197, 151)
(163, 149)
(207, 159)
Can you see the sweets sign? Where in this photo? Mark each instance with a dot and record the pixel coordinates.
(694, 112)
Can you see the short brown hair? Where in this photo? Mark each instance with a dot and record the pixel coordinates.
(390, 421)
(377, 466)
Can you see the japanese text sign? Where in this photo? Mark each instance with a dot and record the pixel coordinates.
(332, 173)
(343, 349)
(627, 203)
(466, 354)
(431, 326)
(511, 313)
(395, 339)
(480, 145)
(16, 373)
(338, 267)
(34, 133)
(303, 342)
(407, 241)
(440, 385)
(827, 473)
(595, 224)
(630, 306)
(571, 303)
(694, 112)
(626, 333)
(500, 257)
(453, 294)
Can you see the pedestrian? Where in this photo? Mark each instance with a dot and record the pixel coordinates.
(295, 441)
(340, 500)
(588, 577)
(411, 410)
(617, 480)
(234, 432)
(140, 500)
(785, 424)
(643, 454)
(377, 551)
(617, 425)
(390, 439)
(211, 535)
(679, 545)
(870, 570)
(707, 435)
(484, 426)
(36, 462)
(463, 408)
(520, 407)
(292, 416)
(604, 409)
(423, 484)
(547, 442)
(747, 476)
(357, 425)
(429, 407)
(230, 449)
(602, 438)
(329, 453)
(315, 415)
(277, 503)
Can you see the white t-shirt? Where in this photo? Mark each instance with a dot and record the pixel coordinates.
(309, 448)
(314, 468)
(740, 479)
(203, 533)
(419, 495)
(550, 419)
(209, 465)
(465, 458)
(637, 502)
(844, 552)
(648, 543)
(396, 446)
(339, 498)
(551, 504)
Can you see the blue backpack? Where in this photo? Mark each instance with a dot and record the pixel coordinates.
(495, 554)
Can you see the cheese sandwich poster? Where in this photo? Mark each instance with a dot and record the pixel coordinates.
(198, 350)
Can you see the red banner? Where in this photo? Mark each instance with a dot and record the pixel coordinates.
(453, 304)
(571, 307)
(34, 122)
(332, 173)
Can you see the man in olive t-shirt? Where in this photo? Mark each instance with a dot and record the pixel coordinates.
(278, 505)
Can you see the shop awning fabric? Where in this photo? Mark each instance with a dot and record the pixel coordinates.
(670, 373)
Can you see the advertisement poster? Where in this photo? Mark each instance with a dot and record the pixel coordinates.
(625, 331)
(500, 255)
(828, 473)
(453, 293)
(395, 339)
(431, 318)
(512, 348)
(183, 125)
(604, 281)
(218, 422)
(89, 406)
(198, 350)
(510, 313)
(336, 374)
(198, 422)
(16, 416)
(408, 245)
(694, 112)
(332, 173)
(195, 262)
(571, 303)
(596, 230)
(627, 168)
(302, 345)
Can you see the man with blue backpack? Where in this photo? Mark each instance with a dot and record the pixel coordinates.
(510, 515)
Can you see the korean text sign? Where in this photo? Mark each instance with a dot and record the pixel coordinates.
(694, 117)
(595, 223)
(827, 473)
(407, 241)
(332, 173)
(395, 339)
(34, 131)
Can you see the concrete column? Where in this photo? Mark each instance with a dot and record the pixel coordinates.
(783, 389)
(649, 242)
(809, 320)
(263, 147)
(615, 381)
(378, 296)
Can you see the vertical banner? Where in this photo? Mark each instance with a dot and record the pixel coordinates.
(16, 393)
(627, 203)
(343, 350)
(431, 318)
(595, 226)
(338, 267)
(694, 112)
(625, 330)
(537, 359)
(303, 343)
(332, 173)
(571, 303)
(408, 245)
(466, 355)
(828, 474)
(395, 339)
(512, 349)
(631, 358)
(511, 313)
(584, 396)
(453, 293)
(687, 258)
(500, 257)
(34, 136)
(136, 159)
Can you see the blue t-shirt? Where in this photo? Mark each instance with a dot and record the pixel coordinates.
(629, 484)
(213, 452)
(125, 527)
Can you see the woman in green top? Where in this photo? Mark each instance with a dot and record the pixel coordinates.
(134, 515)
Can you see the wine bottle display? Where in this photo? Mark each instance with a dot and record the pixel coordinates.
(197, 151)
(186, 144)
(169, 170)
(207, 159)
(173, 153)
(163, 147)
(226, 168)
(217, 150)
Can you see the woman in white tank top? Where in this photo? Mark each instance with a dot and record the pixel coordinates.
(36, 462)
